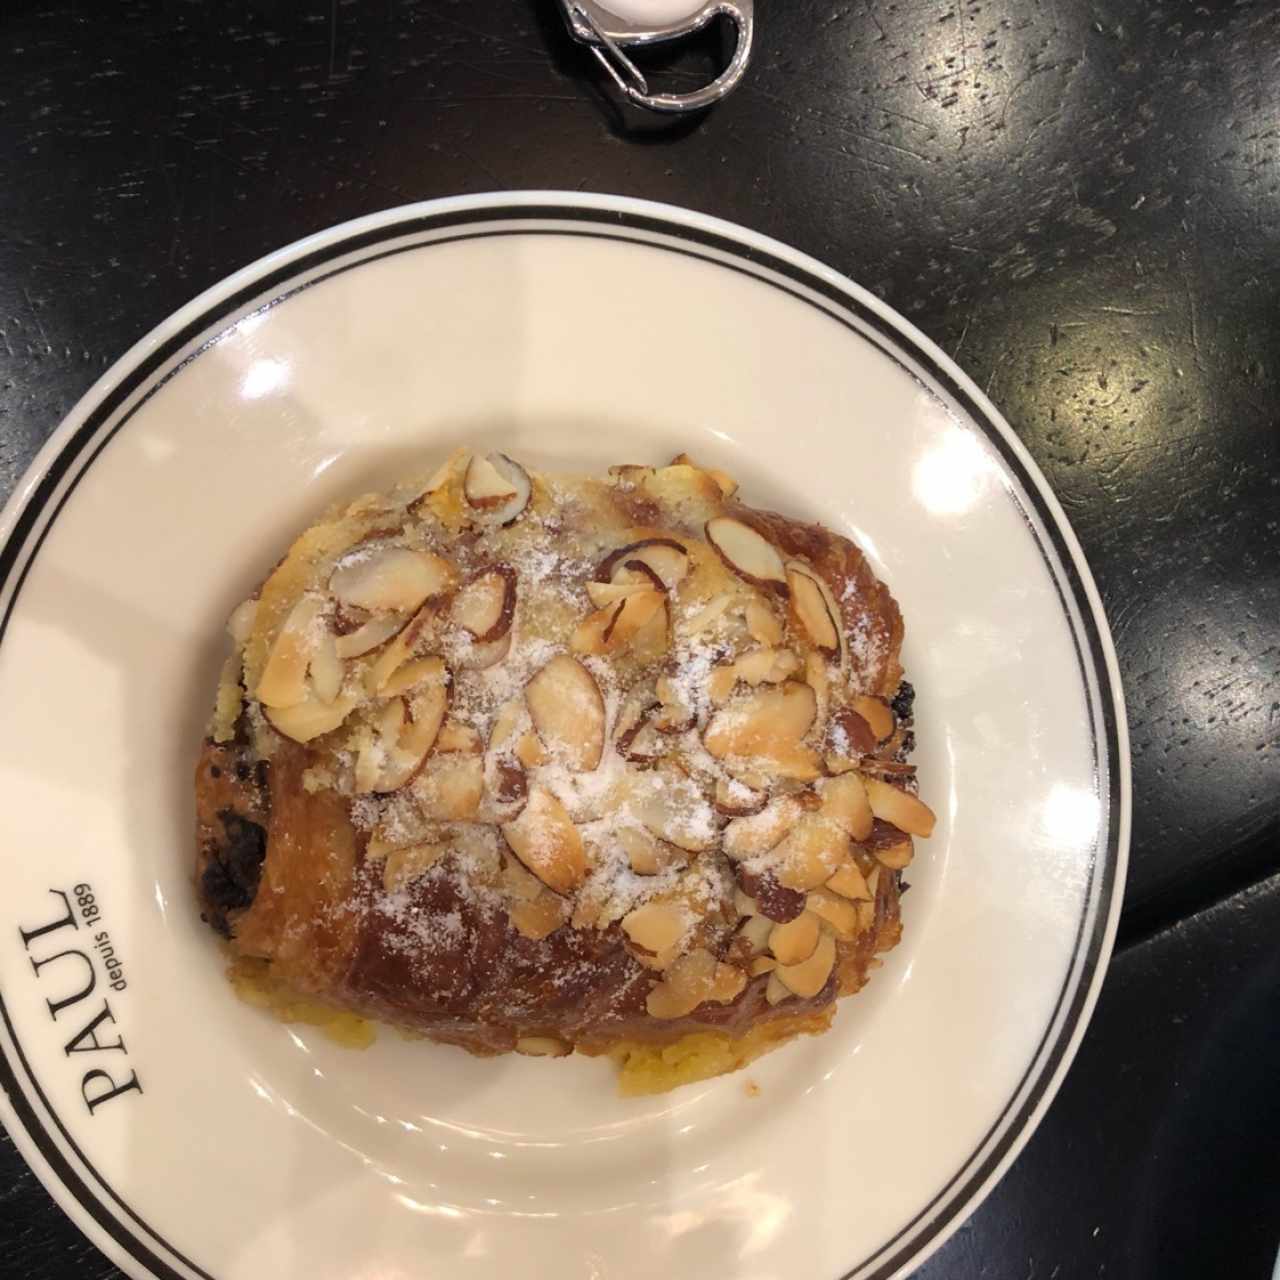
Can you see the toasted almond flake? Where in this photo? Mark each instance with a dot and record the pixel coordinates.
(693, 979)
(835, 911)
(412, 674)
(895, 856)
(657, 926)
(614, 628)
(769, 722)
(736, 800)
(449, 788)
(761, 964)
(481, 655)
(746, 837)
(814, 608)
(876, 712)
(866, 916)
(485, 485)
(673, 808)
(425, 712)
(311, 718)
(284, 677)
(646, 854)
(444, 473)
(762, 623)
(710, 613)
(390, 579)
(542, 1047)
(455, 736)
(795, 941)
(748, 553)
(807, 978)
(395, 654)
(661, 562)
(408, 862)
(486, 606)
(605, 594)
(755, 931)
(540, 916)
(568, 712)
(547, 842)
(900, 808)
(844, 801)
(744, 904)
(530, 751)
(497, 486)
(810, 853)
(776, 992)
(326, 669)
(873, 881)
(849, 882)
(369, 635)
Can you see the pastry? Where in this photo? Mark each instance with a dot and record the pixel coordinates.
(549, 763)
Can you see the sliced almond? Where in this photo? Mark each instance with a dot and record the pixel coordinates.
(326, 668)
(744, 904)
(481, 655)
(866, 916)
(727, 485)
(648, 855)
(408, 862)
(895, 856)
(747, 837)
(807, 978)
(605, 594)
(761, 964)
(795, 941)
(568, 712)
(695, 978)
(636, 739)
(810, 853)
(814, 608)
(486, 605)
(849, 882)
(540, 916)
(672, 807)
(390, 579)
(836, 911)
(755, 933)
(767, 666)
(657, 927)
(613, 629)
(674, 715)
(369, 635)
(710, 613)
(311, 718)
(542, 1047)
(412, 674)
(653, 638)
(547, 842)
(849, 736)
(776, 992)
(497, 486)
(736, 800)
(443, 473)
(450, 787)
(530, 751)
(762, 623)
(747, 553)
(844, 801)
(459, 737)
(395, 654)
(769, 722)
(666, 559)
(284, 677)
(876, 712)
(900, 808)
(414, 740)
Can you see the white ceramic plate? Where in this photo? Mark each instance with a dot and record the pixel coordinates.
(191, 1136)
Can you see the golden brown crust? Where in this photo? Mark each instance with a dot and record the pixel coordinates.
(363, 834)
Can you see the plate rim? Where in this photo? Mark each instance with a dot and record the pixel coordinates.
(92, 1212)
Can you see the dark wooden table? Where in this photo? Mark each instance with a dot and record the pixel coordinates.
(1079, 200)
